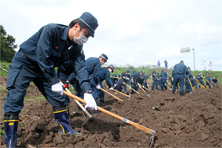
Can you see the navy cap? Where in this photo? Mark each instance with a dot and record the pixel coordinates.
(164, 69)
(181, 61)
(188, 67)
(157, 73)
(118, 75)
(142, 72)
(104, 57)
(208, 74)
(90, 21)
(128, 71)
(111, 66)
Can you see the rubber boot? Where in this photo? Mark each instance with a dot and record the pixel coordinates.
(182, 94)
(102, 100)
(162, 88)
(62, 117)
(60, 130)
(173, 93)
(11, 126)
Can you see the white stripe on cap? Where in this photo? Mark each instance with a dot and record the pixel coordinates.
(103, 57)
(86, 24)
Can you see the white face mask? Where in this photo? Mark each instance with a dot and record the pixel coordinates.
(81, 40)
(110, 70)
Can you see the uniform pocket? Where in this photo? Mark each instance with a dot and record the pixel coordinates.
(12, 74)
(55, 53)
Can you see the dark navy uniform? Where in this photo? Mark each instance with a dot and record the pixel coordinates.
(187, 83)
(178, 74)
(93, 67)
(145, 77)
(194, 83)
(134, 79)
(35, 61)
(208, 81)
(125, 76)
(215, 81)
(200, 79)
(155, 77)
(114, 80)
(104, 74)
(162, 80)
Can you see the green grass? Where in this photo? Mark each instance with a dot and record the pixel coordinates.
(34, 99)
(5, 66)
(119, 70)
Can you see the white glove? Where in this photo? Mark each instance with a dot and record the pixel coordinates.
(90, 102)
(57, 88)
(98, 86)
(111, 88)
(132, 80)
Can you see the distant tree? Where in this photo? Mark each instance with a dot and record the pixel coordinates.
(7, 45)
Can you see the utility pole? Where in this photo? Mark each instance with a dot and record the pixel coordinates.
(187, 50)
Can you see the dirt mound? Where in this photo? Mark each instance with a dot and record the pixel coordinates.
(193, 120)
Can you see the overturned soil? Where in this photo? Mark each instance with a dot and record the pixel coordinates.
(193, 120)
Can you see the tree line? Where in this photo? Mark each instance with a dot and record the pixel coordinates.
(7, 46)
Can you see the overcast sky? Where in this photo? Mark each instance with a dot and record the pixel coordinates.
(130, 32)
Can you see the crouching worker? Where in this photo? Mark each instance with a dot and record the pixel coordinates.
(134, 80)
(163, 80)
(93, 66)
(114, 79)
(36, 61)
(104, 74)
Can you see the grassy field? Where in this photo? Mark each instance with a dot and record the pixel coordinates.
(119, 70)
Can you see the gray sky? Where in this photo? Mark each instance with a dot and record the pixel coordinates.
(130, 32)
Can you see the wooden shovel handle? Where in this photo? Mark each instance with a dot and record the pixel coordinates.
(118, 91)
(151, 132)
(80, 105)
(111, 94)
(131, 88)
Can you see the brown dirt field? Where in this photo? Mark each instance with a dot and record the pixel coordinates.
(193, 120)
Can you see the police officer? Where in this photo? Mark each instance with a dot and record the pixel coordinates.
(194, 82)
(188, 87)
(145, 77)
(93, 66)
(178, 74)
(155, 77)
(162, 80)
(208, 80)
(114, 79)
(125, 76)
(135, 77)
(200, 79)
(215, 81)
(104, 74)
(35, 61)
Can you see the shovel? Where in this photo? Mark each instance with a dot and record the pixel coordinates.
(144, 90)
(119, 92)
(150, 131)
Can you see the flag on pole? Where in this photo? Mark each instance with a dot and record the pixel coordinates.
(185, 50)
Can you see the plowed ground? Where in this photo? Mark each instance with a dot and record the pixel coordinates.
(193, 120)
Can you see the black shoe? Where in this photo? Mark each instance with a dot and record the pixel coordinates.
(102, 100)
(182, 94)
